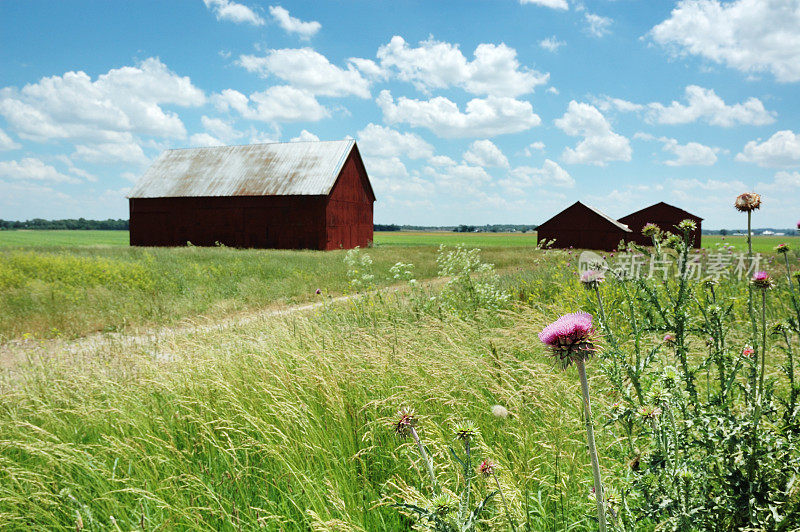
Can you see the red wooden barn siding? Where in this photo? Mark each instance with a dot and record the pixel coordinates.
(664, 216)
(348, 213)
(283, 222)
(580, 227)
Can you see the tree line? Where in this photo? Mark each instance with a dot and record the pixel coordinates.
(67, 223)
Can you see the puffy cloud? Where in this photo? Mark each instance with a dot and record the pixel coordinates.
(748, 35)
(111, 153)
(307, 69)
(461, 179)
(597, 25)
(494, 71)
(606, 103)
(30, 169)
(549, 174)
(305, 136)
(485, 153)
(482, 117)
(781, 150)
(555, 4)
(532, 147)
(704, 104)
(305, 30)
(599, 145)
(7, 143)
(551, 43)
(689, 154)
(122, 102)
(234, 12)
(380, 141)
(279, 103)
(787, 179)
(221, 129)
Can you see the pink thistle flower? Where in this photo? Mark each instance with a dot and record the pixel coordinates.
(782, 248)
(570, 337)
(486, 468)
(762, 280)
(591, 278)
(747, 351)
(318, 292)
(669, 339)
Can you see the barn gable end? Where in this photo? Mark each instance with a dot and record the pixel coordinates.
(349, 211)
(666, 217)
(581, 226)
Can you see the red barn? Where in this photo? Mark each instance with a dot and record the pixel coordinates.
(581, 226)
(664, 216)
(295, 195)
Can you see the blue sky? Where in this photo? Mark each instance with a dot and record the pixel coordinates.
(493, 111)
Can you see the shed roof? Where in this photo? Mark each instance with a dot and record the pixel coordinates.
(683, 213)
(609, 218)
(277, 169)
(601, 214)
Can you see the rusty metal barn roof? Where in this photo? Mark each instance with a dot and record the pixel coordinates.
(278, 169)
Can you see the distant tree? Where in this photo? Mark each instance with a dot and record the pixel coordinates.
(723, 232)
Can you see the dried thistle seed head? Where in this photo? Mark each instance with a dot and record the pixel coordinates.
(762, 280)
(500, 411)
(687, 225)
(405, 422)
(651, 230)
(649, 411)
(466, 430)
(749, 201)
(487, 468)
(782, 248)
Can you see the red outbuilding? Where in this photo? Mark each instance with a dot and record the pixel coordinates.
(581, 226)
(295, 195)
(665, 216)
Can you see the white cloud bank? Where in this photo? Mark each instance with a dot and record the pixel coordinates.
(781, 150)
(234, 12)
(599, 145)
(748, 35)
(290, 24)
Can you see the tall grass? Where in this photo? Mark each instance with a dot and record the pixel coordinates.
(284, 424)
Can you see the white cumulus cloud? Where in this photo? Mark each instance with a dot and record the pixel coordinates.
(485, 153)
(780, 150)
(31, 169)
(554, 4)
(550, 174)
(495, 69)
(551, 43)
(7, 143)
(279, 103)
(290, 24)
(305, 136)
(482, 117)
(748, 35)
(380, 141)
(597, 25)
(234, 12)
(307, 69)
(600, 143)
(704, 104)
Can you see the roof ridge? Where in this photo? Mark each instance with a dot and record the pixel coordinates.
(257, 144)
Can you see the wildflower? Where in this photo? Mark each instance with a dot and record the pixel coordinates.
(747, 351)
(570, 337)
(500, 411)
(651, 230)
(466, 430)
(591, 278)
(749, 201)
(405, 423)
(673, 241)
(782, 248)
(486, 468)
(762, 280)
(669, 339)
(687, 225)
(318, 292)
(649, 411)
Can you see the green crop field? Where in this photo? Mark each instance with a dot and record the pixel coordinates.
(761, 244)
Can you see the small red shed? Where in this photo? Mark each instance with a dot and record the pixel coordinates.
(665, 216)
(581, 226)
(294, 195)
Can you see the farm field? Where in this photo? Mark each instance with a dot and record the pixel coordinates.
(761, 244)
(289, 422)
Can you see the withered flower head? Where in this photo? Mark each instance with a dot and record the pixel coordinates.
(486, 468)
(749, 201)
(405, 422)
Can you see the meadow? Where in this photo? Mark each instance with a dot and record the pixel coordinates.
(290, 422)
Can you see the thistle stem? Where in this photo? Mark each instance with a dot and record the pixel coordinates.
(763, 343)
(587, 410)
(428, 464)
(749, 235)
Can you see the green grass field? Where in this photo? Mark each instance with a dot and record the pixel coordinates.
(761, 244)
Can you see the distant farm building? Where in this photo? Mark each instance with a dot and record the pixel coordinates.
(297, 195)
(665, 216)
(581, 226)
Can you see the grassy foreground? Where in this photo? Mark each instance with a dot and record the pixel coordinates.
(284, 424)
